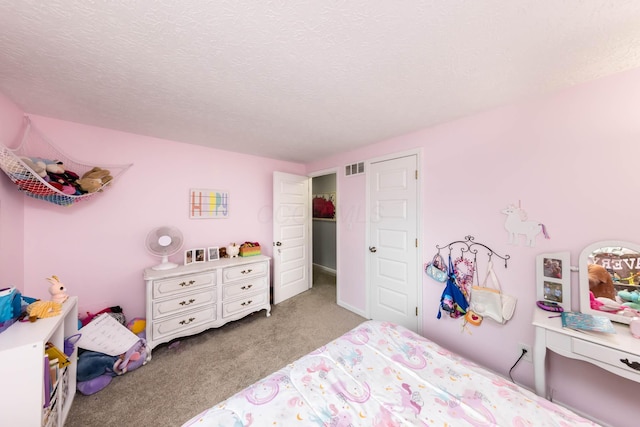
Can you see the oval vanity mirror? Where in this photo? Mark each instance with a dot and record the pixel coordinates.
(610, 280)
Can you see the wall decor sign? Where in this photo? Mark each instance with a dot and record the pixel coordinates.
(208, 203)
(516, 224)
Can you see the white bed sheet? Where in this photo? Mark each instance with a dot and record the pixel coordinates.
(381, 374)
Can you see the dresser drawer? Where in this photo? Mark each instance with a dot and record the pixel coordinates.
(181, 284)
(183, 302)
(607, 355)
(237, 290)
(247, 303)
(184, 322)
(242, 272)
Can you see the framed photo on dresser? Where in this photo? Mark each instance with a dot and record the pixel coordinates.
(553, 278)
(189, 256)
(213, 254)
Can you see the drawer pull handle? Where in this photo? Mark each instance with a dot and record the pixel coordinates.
(247, 302)
(186, 322)
(632, 365)
(191, 301)
(244, 288)
(189, 283)
(246, 271)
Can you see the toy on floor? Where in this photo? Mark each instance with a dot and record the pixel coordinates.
(95, 370)
(115, 312)
(137, 325)
(57, 290)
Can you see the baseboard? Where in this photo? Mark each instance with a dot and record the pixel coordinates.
(559, 403)
(351, 308)
(328, 270)
(582, 414)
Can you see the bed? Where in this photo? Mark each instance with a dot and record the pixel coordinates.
(381, 374)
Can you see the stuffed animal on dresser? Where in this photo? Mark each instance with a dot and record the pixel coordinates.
(600, 282)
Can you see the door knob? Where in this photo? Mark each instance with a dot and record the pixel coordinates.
(372, 249)
(278, 243)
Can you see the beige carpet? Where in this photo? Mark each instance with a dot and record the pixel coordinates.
(180, 382)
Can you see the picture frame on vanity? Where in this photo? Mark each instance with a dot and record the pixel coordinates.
(553, 278)
(199, 255)
(213, 253)
(188, 257)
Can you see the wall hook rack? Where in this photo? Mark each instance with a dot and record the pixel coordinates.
(469, 245)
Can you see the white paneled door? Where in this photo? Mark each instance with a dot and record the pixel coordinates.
(393, 244)
(291, 235)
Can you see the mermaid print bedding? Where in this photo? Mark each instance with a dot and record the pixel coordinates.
(381, 374)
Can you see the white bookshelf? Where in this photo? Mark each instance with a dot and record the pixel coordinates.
(22, 350)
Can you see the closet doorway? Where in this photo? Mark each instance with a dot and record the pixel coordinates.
(324, 230)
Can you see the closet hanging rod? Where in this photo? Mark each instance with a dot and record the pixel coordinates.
(469, 243)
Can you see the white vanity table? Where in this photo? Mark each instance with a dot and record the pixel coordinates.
(618, 353)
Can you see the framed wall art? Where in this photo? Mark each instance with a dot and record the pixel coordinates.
(208, 203)
(324, 206)
(553, 278)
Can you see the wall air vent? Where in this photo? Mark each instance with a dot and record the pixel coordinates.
(354, 169)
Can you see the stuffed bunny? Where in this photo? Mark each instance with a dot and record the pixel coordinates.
(57, 290)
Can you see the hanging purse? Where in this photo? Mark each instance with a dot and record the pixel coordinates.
(436, 269)
(452, 300)
(490, 301)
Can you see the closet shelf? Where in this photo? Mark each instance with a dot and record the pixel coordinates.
(35, 145)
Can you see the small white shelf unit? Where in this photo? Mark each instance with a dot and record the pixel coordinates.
(22, 350)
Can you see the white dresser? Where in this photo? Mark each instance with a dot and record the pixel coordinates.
(618, 353)
(192, 298)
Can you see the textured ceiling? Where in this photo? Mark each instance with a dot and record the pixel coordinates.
(300, 80)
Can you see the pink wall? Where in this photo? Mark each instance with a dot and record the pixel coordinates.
(350, 257)
(571, 160)
(11, 203)
(97, 247)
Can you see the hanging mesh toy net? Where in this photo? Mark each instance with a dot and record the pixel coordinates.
(16, 162)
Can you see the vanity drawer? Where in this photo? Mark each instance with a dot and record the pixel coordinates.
(181, 284)
(247, 303)
(241, 272)
(183, 302)
(236, 290)
(178, 324)
(607, 355)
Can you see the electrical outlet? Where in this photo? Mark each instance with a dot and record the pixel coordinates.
(528, 357)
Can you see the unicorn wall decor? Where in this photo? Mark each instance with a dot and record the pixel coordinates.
(516, 224)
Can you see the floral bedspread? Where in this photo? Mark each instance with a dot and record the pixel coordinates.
(381, 374)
